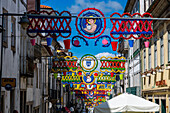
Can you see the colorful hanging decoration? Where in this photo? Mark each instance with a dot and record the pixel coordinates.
(146, 44)
(131, 43)
(86, 82)
(105, 42)
(75, 41)
(32, 42)
(128, 28)
(112, 64)
(61, 64)
(49, 25)
(89, 26)
(67, 44)
(88, 63)
(114, 45)
(49, 41)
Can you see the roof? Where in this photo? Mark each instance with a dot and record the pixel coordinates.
(45, 7)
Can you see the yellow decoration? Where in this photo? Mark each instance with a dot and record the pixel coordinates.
(116, 58)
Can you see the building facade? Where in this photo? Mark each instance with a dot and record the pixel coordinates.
(155, 59)
(10, 100)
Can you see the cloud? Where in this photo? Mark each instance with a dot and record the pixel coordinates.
(102, 5)
(106, 54)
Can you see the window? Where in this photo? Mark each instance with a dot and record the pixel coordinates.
(5, 26)
(144, 60)
(149, 80)
(162, 51)
(149, 59)
(155, 80)
(13, 32)
(155, 54)
(168, 46)
(144, 80)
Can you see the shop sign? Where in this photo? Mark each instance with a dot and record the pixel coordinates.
(8, 83)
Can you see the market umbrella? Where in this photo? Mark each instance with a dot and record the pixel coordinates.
(126, 103)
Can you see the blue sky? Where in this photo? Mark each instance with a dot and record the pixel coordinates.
(75, 6)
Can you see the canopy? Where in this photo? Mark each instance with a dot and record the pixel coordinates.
(126, 103)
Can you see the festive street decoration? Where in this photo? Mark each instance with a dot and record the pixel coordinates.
(136, 28)
(61, 64)
(32, 42)
(131, 43)
(114, 45)
(146, 44)
(105, 42)
(88, 63)
(86, 82)
(67, 44)
(112, 64)
(75, 41)
(49, 41)
(49, 25)
(89, 26)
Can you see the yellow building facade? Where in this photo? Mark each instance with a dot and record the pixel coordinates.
(155, 62)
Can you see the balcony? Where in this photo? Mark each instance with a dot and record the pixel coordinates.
(28, 67)
(123, 47)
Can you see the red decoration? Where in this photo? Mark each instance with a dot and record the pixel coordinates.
(49, 26)
(76, 42)
(95, 74)
(137, 26)
(114, 45)
(32, 42)
(112, 74)
(67, 44)
(80, 73)
(64, 73)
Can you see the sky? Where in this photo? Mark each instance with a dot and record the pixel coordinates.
(75, 7)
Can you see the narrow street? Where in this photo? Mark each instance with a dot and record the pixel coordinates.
(84, 56)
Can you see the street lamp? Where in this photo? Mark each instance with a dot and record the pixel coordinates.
(24, 21)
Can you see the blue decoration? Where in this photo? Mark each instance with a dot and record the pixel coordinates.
(126, 32)
(131, 43)
(49, 41)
